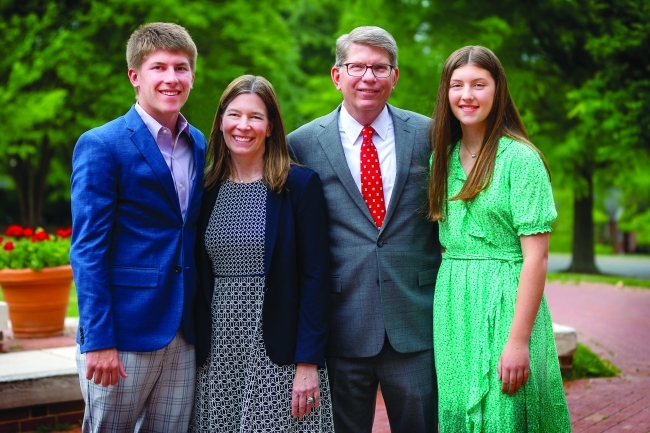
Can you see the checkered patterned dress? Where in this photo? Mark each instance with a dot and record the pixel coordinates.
(240, 389)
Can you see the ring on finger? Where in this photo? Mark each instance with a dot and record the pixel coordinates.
(310, 400)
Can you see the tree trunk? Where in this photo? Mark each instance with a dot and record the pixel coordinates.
(583, 258)
(29, 175)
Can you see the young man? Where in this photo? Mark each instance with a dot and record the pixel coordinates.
(384, 253)
(137, 184)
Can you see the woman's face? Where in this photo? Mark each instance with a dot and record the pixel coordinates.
(245, 127)
(471, 95)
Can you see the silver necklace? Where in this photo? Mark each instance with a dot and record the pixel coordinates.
(241, 181)
(473, 155)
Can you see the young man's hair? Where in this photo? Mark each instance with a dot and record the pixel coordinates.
(159, 36)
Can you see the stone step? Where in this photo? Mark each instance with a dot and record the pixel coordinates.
(49, 375)
(566, 342)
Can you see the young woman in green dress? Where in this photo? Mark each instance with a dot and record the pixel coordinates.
(490, 190)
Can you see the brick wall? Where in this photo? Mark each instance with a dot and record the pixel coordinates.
(27, 419)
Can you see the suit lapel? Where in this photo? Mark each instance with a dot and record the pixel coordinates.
(207, 206)
(199, 163)
(273, 207)
(404, 143)
(330, 140)
(145, 142)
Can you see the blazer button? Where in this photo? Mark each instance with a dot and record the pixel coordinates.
(177, 269)
(380, 244)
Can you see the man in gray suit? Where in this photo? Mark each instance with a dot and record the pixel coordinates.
(384, 253)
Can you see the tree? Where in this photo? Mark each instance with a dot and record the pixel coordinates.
(55, 83)
(614, 100)
(578, 73)
(64, 72)
(601, 52)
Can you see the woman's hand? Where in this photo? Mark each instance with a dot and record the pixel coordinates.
(514, 366)
(305, 385)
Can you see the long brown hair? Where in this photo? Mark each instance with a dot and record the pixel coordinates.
(276, 151)
(445, 131)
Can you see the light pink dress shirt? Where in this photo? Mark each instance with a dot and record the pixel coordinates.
(178, 154)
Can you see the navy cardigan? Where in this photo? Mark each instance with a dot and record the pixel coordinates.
(296, 265)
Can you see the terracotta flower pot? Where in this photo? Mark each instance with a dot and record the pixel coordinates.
(37, 300)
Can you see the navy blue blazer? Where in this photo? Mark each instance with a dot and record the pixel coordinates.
(295, 309)
(132, 252)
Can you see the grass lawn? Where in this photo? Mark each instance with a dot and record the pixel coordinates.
(607, 279)
(588, 364)
(73, 310)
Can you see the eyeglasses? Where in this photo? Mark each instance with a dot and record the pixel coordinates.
(380, 70)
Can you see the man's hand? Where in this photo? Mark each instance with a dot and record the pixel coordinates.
(105, 365)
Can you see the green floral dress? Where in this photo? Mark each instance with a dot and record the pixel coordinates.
(475, 298)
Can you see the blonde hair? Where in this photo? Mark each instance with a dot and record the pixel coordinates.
(445, 130)
(276, 150)
(159, 36)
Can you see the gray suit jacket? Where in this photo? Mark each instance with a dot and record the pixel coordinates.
(382, 281)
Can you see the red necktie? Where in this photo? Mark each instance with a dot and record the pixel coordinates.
(372, 187)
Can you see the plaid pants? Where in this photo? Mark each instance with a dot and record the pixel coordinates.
(157, 395)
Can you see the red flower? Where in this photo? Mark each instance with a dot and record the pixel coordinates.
(14, 230)
(27, 232)
(9, 246)
(41, 236)
(64, 233)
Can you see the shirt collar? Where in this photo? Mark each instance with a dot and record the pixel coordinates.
(154, 127)
(352, 128)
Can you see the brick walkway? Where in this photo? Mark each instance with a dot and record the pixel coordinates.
(615, 324)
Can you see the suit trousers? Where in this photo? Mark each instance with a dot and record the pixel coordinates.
(157, 395)
(408, 386)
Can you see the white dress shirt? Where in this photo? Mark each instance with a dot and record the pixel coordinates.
(384, 141)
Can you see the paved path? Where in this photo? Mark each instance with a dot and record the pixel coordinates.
(627, 265)
(615, 323)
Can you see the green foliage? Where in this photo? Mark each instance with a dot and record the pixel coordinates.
(63, 71)
(59, 427)
(638, 222)
(561, 236)
(578, 71)
(29, 250)
(36, 255)
(588, 364)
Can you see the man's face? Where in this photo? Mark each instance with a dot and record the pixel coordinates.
(364, 97)
(163, 82)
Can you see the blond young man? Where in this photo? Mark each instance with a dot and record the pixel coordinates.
(137, 184)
